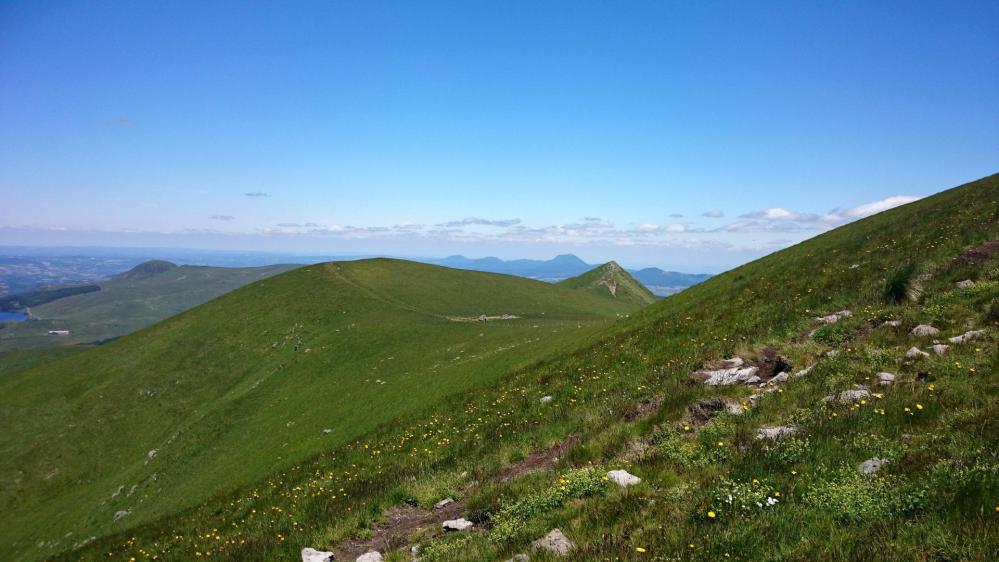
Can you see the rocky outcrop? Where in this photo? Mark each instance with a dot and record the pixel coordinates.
(916, 353)
(886, 379)
(373, 556)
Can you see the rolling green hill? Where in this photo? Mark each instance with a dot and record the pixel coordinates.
(252, 382)
(625, 397)
(149, 292)
(611, 280)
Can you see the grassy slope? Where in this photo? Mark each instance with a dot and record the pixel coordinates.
(949, 457)
(596, 281)
(129, 302)
(246, 384)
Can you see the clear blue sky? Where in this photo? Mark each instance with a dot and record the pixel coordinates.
(509, 128)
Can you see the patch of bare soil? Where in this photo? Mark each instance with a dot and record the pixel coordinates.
(979, 253)
(401, 522)
(542, 460)
(643, 409)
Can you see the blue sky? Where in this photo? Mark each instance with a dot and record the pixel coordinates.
(517, 129)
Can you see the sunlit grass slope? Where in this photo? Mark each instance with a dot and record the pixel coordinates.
(254, 381)
(937, 425)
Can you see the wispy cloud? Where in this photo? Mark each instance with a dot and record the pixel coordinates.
(222, 217)
(874, 207)
(713, 214)
(124, 122)
(256, 194)
(480, 222)
(676, 215)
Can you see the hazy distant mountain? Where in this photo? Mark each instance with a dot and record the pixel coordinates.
(565, 266)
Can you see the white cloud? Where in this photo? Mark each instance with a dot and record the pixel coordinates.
(875, 207)
(713, 214)
(780, 214)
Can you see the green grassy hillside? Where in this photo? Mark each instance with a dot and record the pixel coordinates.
(612, 281)
(252, 382)
(624, 399)
(140, 297)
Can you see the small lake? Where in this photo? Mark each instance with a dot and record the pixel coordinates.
(13, 316)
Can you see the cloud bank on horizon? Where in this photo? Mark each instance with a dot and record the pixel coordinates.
(772, 228)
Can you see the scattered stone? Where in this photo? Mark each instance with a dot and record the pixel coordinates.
(855, 266)
(441, 504)
(886, 379)
(546, 399)
(313, 555)
(152, 454)
(966, 337)
(804, 372)
(916, 353)
(775, 432)
(327, 430)
(966, 284)
(554, 542)
(940, 348)
(459, 524)
(623, 478)
(832, 353)
(119, 514)
(848, 396)
(870, 466)
(520, 558)
(373, 556)
(891, 324)
(924, 330)
(834, 317)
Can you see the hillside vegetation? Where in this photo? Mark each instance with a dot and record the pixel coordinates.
(255, 381)
(710, 487)
(611, 280)
(149, 292)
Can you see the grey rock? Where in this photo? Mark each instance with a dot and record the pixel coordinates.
(519, 558)
(119, 514)
(373, 556)
(444, 502)
(775, 432)
(891, 324)
(546, 399)
(916, 353)
(555, 542)
(870, 466)
(924, 331)
(152, 454)
(313, 555)
(886, 378)
(729, 376)
(459, 524)
(804, 371)
(780, 378)
(848, 396)
(940, 348)
(834, 317)
(967, 336)
(623, 478)
(966, 284)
